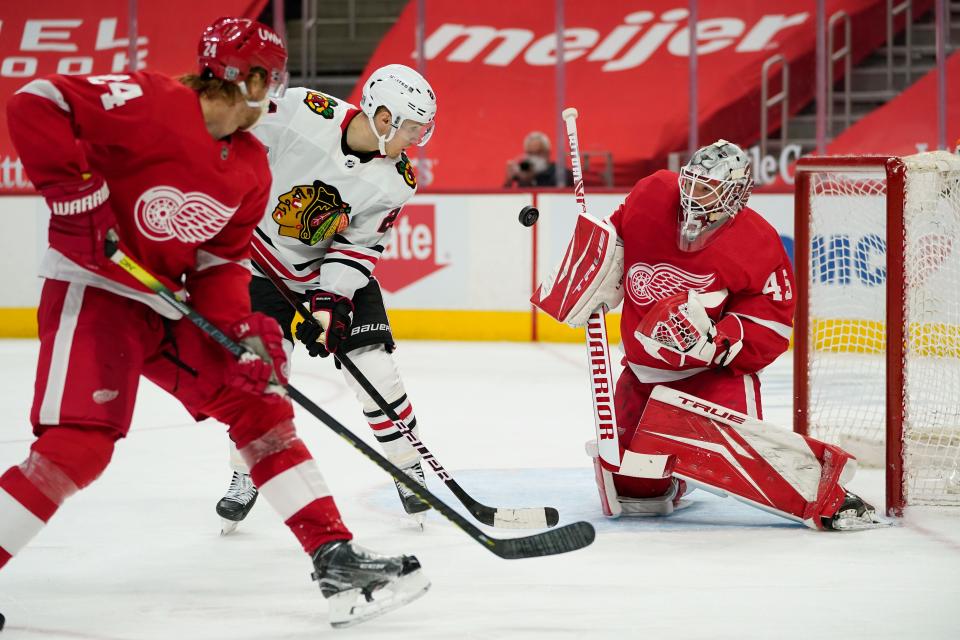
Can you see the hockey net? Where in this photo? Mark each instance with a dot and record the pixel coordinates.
(877, 339)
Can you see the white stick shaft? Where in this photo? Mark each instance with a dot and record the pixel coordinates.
(598, 348)
(570, 119)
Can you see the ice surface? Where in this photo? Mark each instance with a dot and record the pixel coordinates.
(137, 556)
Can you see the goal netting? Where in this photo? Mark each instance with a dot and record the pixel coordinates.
(878, 331)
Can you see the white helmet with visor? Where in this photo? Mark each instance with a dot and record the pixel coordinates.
(408, 97)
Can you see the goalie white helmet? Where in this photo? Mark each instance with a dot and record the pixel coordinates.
(407, 96)
(714, 185)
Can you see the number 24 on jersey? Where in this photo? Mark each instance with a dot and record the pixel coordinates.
(120, 92)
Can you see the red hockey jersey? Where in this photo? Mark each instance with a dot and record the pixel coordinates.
(746, 258)
(186, 204)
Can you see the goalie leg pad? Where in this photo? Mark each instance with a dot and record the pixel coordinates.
(730, 453)
(589, 276)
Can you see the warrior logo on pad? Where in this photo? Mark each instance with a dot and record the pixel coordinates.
(311, 213)
(647, 284)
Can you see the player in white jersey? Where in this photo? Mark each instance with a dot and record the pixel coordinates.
(340, 179)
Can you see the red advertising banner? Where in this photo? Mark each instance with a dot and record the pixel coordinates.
(412, 255)
(626, 72)
(92, 37)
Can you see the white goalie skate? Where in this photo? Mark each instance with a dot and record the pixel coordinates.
(855, 514)
(360, 584)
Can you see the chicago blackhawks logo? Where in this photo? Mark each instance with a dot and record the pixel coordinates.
(164, 213)
(311, 213)
(647, 284)
(320, 104)
(405, 168)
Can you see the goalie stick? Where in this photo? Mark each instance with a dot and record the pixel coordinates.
(570, 537)
(598, 347)
(527, 518)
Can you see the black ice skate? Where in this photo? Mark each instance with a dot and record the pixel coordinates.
(414, 507)
(359, 584)
(854, 514)
(237, 503)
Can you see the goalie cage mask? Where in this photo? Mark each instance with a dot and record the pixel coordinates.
(714, 186)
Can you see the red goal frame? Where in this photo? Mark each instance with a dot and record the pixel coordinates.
(895, 171)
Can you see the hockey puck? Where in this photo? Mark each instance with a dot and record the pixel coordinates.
(2, 621)
(528, 216)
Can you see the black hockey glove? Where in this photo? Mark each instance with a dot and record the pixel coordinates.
(333, 316)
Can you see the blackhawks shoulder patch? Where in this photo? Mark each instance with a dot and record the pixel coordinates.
(405, 169)
(311, 213)
(320, 104)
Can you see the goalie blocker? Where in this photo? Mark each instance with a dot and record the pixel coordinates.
(590, 275)
(726, 453)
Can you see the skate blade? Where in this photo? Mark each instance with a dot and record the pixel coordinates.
(351, 607)
(860, 524)
(228, 526)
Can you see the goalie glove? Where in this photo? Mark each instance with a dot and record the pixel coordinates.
(679, 332)
(333, 315)
(589, 277)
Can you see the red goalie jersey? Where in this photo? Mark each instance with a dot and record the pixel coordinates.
(186, 211)
(746, 260)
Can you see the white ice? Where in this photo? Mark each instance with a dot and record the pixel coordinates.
(137, 556)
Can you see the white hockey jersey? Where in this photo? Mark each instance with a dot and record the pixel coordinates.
(316, 174)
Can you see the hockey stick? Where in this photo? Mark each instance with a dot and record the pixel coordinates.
(571, 537)
(527, 518)
(598, 348)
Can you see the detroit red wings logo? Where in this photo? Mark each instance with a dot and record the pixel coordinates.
(164, 213)
(647, 284)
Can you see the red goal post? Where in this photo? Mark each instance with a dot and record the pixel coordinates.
(877, 267)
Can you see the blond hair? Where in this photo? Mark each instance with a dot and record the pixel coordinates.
(214, 88)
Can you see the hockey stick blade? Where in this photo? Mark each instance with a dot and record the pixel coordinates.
(555, 541)
(568, 538)
(523, 518)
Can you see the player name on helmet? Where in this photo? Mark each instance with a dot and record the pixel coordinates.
(270, 36)
(87, 203)
(710, 410)
(600, 377)
(640, 36)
